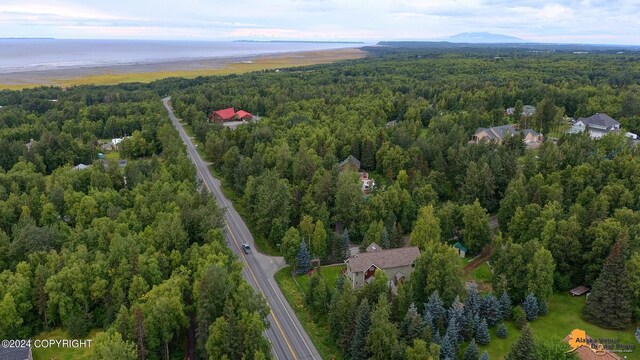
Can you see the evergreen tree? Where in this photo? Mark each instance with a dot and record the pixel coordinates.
(490, 309)
(609, 304)
(502, 331)
(412, 326)
(382, 340)
(435, 306)
(519, 317)
(524, 348)
(303, 259)
(505, 306)
(385, 239)
(482, 336)
(345, 243)
(530, 306)
(452, 334)
(543, 308)
(427, 319)
(472, 352)
(363, 323)
(469, 325)
(456, 312)
(472, 302)
(484, 356)
(447, 349)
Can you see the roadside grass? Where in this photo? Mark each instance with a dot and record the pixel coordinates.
(565, 314)
(318, 330)
(330, 273)
(60, 353)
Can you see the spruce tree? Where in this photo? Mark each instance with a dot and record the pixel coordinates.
(472, 352)
(436, 307)
(530, 306)
(524, 348)
(501, 332)
(412, 326)
(452, 334)
(447, 349)
(519, 317)
(484, 356)
(427, 319)
(469, 326)
(505, 306)
(363, 323)
(456, 312)
(482, 333)
(490, 309)
(609, 304)
(303, 259)
(345, 243)
(385, 239)
(472, 301)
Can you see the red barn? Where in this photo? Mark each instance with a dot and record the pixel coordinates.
(243, 115)
(223, 115)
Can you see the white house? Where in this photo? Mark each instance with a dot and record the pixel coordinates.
(598, 125)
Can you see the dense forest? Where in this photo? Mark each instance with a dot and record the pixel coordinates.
(136, 251)
(408, 117)
(139, 252)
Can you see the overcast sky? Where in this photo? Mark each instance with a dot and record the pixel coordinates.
(575, 21)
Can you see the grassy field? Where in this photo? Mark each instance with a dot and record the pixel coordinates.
(61, 353)
(113, 155)
(481, 274)
(266, 62)
(564, 316)
(292, 288)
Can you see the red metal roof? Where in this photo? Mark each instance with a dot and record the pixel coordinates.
(225, 114)
(242, 113)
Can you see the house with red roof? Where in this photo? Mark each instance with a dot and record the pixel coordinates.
(223, 115)
(244, 116)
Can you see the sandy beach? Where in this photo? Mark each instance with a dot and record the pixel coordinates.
(106, 75)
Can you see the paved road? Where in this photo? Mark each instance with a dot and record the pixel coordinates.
(288, 338)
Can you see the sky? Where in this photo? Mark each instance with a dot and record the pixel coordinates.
(560, 21)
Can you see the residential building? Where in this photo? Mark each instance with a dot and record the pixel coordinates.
(587, 348)
(243, 115)
(527, 110)
(398, 264)
(461, 249)
(15, 353)
(598, 125)
(353, 164)
(498, 134)
(224, 115)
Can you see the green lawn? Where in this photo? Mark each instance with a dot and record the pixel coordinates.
(318, 331)
(61, 353)
(481, 274)
(564, 316)
(114, 155)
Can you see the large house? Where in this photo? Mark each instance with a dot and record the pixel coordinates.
(230, 114)
(498, 134)
(398, 264)
(598, 125)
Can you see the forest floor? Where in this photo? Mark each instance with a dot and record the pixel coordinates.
(109, 75)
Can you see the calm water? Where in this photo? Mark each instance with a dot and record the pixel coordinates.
(18, 55)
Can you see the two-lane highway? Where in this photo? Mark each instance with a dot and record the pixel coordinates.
(287, 336)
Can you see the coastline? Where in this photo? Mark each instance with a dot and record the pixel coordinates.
(189, 68)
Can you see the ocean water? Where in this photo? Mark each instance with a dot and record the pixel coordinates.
(20, 55)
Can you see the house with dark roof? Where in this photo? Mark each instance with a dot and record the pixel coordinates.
(351, 163)
(598, 125)
(398, 264)
(498, 134)
(17, 353)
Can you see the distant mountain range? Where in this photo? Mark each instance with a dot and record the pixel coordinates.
(484, 38)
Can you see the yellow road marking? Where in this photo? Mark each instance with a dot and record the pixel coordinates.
(273, 315)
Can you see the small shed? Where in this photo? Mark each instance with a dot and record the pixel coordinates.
(462, 251)
(580, 290)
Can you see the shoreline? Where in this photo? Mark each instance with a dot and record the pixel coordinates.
(188, 68)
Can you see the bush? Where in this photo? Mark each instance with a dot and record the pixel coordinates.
(543, 308)
(502, 331)
(519, 317)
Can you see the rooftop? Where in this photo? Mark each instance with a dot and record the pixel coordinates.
(384, 259)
